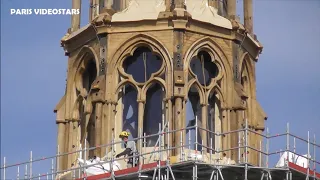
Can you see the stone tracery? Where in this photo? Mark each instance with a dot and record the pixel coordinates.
(204, 72)
(144, 69)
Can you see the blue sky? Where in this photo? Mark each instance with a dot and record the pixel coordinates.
(33, 73)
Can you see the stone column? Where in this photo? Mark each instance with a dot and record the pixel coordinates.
(259, 142)
(75, 18)
(98, 128)
(248, 18)
(140, 122)
(238, 125)
(68, 144)
(232, 9)
(104, 127)
(61, 143)
(169, 118)
(113, 115)
(72, 143)
(178, 122)
(233, 137)
(204, 119)
(183, 119)
(225, 127)
(111, 123)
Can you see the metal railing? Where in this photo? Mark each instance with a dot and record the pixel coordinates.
(160, 149)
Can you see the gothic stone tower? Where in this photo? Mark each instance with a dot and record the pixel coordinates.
(141, 60)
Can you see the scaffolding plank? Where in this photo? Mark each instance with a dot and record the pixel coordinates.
(144, 167)
(303, 170)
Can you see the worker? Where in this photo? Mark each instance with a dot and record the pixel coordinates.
(130, 149)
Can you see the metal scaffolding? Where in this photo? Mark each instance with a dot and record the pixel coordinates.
(187, 165)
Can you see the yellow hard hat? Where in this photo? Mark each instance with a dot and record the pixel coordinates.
(124, 134)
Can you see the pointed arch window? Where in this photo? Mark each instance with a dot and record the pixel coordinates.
(87, 126)
(204, 69)
(141, 66)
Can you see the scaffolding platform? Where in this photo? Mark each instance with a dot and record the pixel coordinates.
(186, 163)
(185, 170)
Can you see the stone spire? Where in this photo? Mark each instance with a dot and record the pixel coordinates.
(75, 18)
(248, 18)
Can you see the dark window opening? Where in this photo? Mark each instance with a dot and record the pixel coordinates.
(203, 67)
(142, 64)
(246, 89)
(214, 115)
(130, 111)
(242, 81)
(89, 75)
(153, 113)
(193, 111)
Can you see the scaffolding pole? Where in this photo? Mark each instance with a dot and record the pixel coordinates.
(314, 156)
(246, 151)
(26, 172)
(239, 144)
(57, 161)
(210, 150)
(52, 169)
(30, 166)
(287, 151)
(308, 157)
(160, 153)
(18, 173)
(267, 148)
(140, 147)
(112, 158)
(189, 146)
(181, 149)
(195, 176)
(260, 154)
(4, 167)
(168, 152)
(85, 158)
